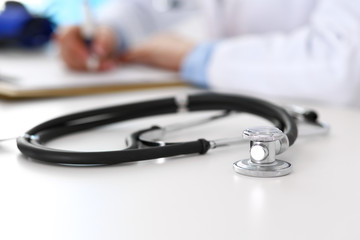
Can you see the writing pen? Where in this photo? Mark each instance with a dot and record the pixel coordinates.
(88, 32)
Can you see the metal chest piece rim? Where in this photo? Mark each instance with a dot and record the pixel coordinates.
(265, 144)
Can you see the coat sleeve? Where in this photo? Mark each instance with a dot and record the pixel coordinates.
(318, 61)
(133, 20)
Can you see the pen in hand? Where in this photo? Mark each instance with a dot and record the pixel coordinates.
(88, 33)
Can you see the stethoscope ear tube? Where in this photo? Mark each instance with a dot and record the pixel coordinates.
(32, 144)
(246, 104)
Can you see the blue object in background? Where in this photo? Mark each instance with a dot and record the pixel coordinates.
(30, 24)
(19, 28)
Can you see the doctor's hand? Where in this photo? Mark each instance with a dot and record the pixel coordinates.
(75, 53)
(164, 51)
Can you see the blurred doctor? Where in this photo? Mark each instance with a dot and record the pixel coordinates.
(307, 49)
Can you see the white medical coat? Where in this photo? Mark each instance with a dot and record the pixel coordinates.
(308, 49)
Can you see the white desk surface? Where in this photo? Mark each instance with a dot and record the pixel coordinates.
(194, 197)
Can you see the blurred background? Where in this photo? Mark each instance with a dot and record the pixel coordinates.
(31, 23)
(62, 12)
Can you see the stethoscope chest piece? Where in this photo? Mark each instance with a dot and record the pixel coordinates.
(265, 144)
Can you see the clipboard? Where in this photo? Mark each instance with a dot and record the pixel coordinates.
(43, 74)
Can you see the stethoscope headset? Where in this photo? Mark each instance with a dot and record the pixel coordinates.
(265, 142)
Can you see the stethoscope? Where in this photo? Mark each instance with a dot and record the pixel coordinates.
(265, 142)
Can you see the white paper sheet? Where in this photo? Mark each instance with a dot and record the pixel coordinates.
(36, 71)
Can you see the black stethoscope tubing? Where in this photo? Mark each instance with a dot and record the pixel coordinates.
(32, 144)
